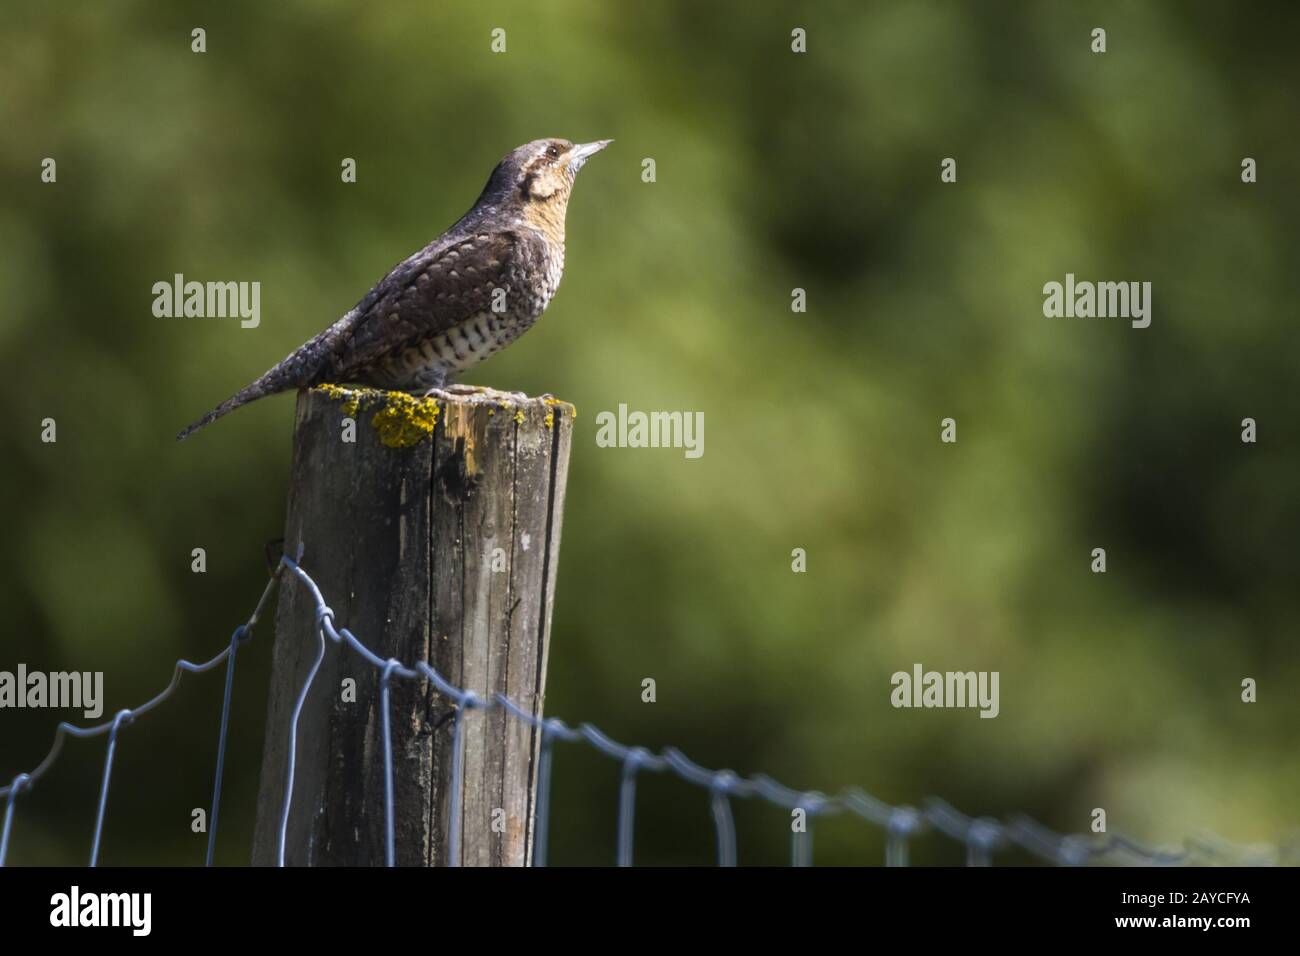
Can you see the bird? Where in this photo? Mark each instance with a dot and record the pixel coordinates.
(463, 297)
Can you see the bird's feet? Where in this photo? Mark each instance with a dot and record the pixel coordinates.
(455, 392)
(450, 393)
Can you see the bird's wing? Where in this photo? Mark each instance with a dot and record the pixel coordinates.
(436, 289)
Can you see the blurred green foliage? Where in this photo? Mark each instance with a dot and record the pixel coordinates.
(774, 171)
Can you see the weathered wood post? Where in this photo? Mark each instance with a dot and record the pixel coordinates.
(434, 535)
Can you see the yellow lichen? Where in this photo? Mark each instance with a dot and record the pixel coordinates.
(405, 420)
(401, 420)
(350, 399)
(553, 402)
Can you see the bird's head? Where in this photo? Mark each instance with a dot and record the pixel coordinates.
(539, 176)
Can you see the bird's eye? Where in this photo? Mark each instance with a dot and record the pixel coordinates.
(553, 152)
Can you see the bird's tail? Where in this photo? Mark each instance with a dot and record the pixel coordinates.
(278, 379)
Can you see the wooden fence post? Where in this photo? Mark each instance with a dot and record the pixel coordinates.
(433, 530)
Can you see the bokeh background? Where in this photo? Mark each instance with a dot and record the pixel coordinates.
(774, 171)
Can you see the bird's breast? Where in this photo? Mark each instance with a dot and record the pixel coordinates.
(473, 301)
(527, 289)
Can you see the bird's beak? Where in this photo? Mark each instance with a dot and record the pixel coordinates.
(584, 151)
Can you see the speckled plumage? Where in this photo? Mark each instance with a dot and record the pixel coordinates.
(433, 316)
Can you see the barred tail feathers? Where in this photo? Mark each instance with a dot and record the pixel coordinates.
(299, 369)
(278, 379)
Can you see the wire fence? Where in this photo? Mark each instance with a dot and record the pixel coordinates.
(982, 837)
